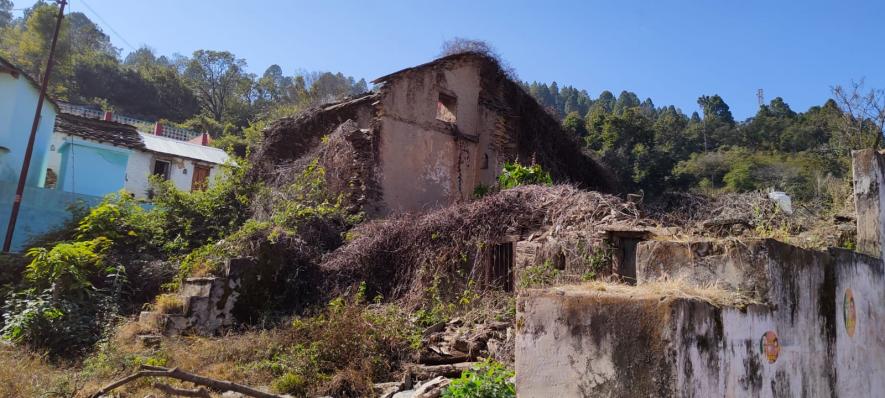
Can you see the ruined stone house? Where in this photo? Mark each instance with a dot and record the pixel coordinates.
(428, 137)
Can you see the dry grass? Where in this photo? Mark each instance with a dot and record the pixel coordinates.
(25, 374)
(675, 288)
(338, 352)
(169, 304)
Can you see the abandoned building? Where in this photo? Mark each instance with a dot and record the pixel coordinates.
(708, 317)
(428, 137)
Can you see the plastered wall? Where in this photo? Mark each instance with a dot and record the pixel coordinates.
(817, 334)
(424, 162)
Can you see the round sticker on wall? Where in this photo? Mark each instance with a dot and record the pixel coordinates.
(849, 313)
(770, 346)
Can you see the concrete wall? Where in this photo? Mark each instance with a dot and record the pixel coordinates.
(90, 168)
(575, 337)
(868, 168)
(181, 172)
(860, 356)
(18, 101)
(424, 163)
(43, 210)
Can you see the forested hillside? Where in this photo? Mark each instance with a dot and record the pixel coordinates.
(651, 148)
(662, 149)
(207, 90)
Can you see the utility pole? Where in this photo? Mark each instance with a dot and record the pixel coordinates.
(19, 191)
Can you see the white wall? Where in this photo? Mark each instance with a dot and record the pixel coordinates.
(181, 172)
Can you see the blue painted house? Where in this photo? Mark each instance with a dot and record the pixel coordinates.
(91, 155)
(18, 101)
(42, 209)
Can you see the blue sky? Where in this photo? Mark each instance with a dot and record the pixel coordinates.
(670, 50)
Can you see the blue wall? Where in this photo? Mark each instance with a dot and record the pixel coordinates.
(18, 101)
(93, 169)
(43, 210)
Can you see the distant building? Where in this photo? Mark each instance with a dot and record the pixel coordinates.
(97, 157)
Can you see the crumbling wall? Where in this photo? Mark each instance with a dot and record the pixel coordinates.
(426, 162)
(860, 322)
(350, 159)
(288, 139)
(573, 344)
(733, 264)
(868, 167)
(805, 338)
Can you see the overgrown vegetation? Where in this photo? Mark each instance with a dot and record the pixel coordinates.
(114, 260)
(489, 379)
(515, 174)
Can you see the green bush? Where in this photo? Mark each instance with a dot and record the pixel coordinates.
(489, 379)
(515, 174)
(538, 275)
(291, 383)
(59, 326)
(70, 293)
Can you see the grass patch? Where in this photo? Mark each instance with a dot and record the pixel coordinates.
(169, 304)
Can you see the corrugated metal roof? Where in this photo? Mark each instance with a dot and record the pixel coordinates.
(183, 149)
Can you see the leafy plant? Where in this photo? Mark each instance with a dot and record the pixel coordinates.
(489, 379)
(38, 319)
(67, 267)
(538, 275)
(515, 174)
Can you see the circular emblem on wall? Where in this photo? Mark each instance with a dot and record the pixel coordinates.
(770, 346)
(849, 313)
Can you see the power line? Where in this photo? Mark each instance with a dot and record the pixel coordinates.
(107, 25)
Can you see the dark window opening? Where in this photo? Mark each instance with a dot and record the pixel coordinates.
(623, 246)
(446, 108)
(500, 269)
(51, 179)
(485, 162)
(161, 168)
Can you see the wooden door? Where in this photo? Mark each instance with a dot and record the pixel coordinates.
(201, 178)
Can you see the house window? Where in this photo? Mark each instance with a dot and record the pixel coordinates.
(446, 108)
(161, 168)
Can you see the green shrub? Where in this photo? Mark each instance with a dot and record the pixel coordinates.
(538, 275)
(489, 379)
(291, 383)
(57, 325)
(515, 174)
(481, 191)
(67, 267)
(70, 293)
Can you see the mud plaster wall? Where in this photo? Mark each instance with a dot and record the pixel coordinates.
(425, 162)
(719, 352)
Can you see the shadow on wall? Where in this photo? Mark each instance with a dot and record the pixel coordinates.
(42, 211)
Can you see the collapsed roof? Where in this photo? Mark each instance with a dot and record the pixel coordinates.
(525, 131)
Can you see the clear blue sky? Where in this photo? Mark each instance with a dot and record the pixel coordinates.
(670, 50)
